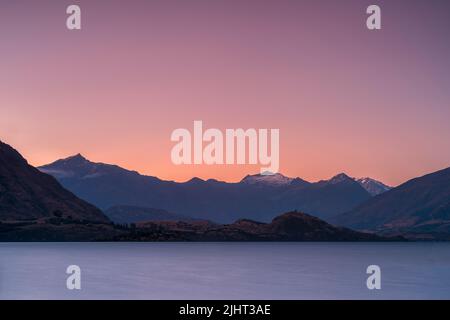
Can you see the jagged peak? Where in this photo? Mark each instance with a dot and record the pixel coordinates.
(78, 156)
(75, 160)
(340, 177)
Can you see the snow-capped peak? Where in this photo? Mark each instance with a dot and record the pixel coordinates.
(268, 178)
(373, 186)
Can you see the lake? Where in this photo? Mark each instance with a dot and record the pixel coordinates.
(225, 270)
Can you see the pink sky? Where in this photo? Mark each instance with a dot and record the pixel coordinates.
(345, 99)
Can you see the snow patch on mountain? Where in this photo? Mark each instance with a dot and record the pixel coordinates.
(276, 179)
(373, 186)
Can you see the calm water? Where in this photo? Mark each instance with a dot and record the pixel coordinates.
(225, 270)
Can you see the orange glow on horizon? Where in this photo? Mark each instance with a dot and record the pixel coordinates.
(345, 99)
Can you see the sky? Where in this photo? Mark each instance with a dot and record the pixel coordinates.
(345, 99)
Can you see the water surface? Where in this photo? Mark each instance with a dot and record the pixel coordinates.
(224, 270)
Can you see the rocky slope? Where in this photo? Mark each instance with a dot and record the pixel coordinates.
(31, 200)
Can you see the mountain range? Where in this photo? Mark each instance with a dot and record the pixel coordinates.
(260, 197)
(34, 206)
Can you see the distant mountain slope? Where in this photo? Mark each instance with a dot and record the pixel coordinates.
(373, 186)
(258, 197)
(292, 226)
(28, 194)
(421, 204)
(325, 198)
(131, 214)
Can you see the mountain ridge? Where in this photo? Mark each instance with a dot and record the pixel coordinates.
(259, 197)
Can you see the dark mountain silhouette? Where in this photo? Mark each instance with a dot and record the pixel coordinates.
(35, 207)
(292, 226)
(28, 194)
(421, 205)
(259, 197)
(131, 214)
